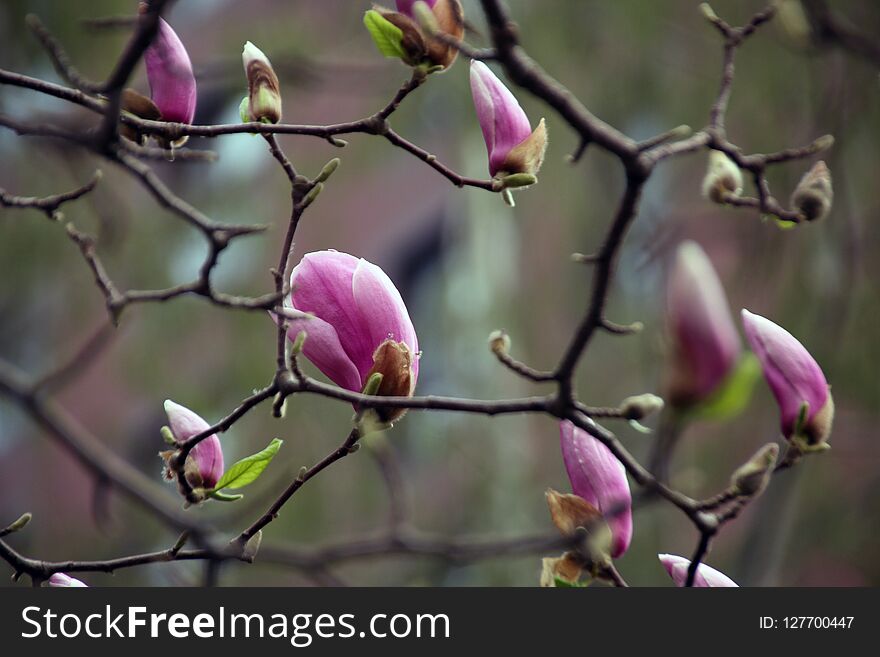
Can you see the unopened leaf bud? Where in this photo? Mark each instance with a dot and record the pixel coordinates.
(641, 406)
(499, 343)
(723, 178)
(249, 552)
(752, 477)
(813, 195)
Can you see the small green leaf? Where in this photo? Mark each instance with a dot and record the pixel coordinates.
(244, 110)
(734, 393)
(784, 224)
(224, 497)
(560, 583)
(386, 35)
(248, 469)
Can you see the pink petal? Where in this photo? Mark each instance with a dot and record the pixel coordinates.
(599, 478)
(170, 73)
(700, 320)
(502, 120)
(705, 577)
(322, 347)
(383, 311)
(792, 373)
(62, 580)
(321, 284)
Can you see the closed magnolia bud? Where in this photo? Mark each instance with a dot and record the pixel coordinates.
(752, 477)
(512, 146)
(705, 343)
(359, 325)
(813, 196)
(61, 580)
(171, 78)
(705, 577)
(499, 343)
(204, 463)
(264, 94)
(796, 380)
(641, 406)
(600, 480)
(723, 178)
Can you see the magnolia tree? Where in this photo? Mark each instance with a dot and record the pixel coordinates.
(346, 317)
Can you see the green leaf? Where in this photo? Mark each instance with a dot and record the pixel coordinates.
(248, 469)
(224, 497)
(785, 224)
(734, 393)
(386, 35)
(560, 583)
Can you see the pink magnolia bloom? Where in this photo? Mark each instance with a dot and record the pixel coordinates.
(360, 324)
(599, 478)
(512, 146)
(406, 6)
(705, 342)
(705, 577)
(62, 580)
(794, 377)
(204, 463)
(170, 73)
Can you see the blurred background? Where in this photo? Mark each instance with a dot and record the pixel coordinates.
(466, 265)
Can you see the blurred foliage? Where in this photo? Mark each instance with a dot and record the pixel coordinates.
(466, 265)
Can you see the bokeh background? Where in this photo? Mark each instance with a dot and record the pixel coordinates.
(466, 265)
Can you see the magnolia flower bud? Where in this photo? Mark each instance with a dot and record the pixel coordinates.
(723, 178)
(407, 32)
(705, 344)
(264, 95)
(204, 463)
(641, 406)
(360, 325)
(62, 580)
(813, 195)
(752, 477)
(512, 145)
(170, 74)
(801, 391)
(600, 479)
(705, 577)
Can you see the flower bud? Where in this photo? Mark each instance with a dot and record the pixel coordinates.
(796, 380)
(512, 146)
(705, 577)
(813, 196)
(705, 344)
(752, 477)
(204, 463)
(599, 479)
(499, 343)
(359, 325)
(170, 74)
(62, 580)
(264, 95)
(723, 178)
(641, 406)
(409, 35)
